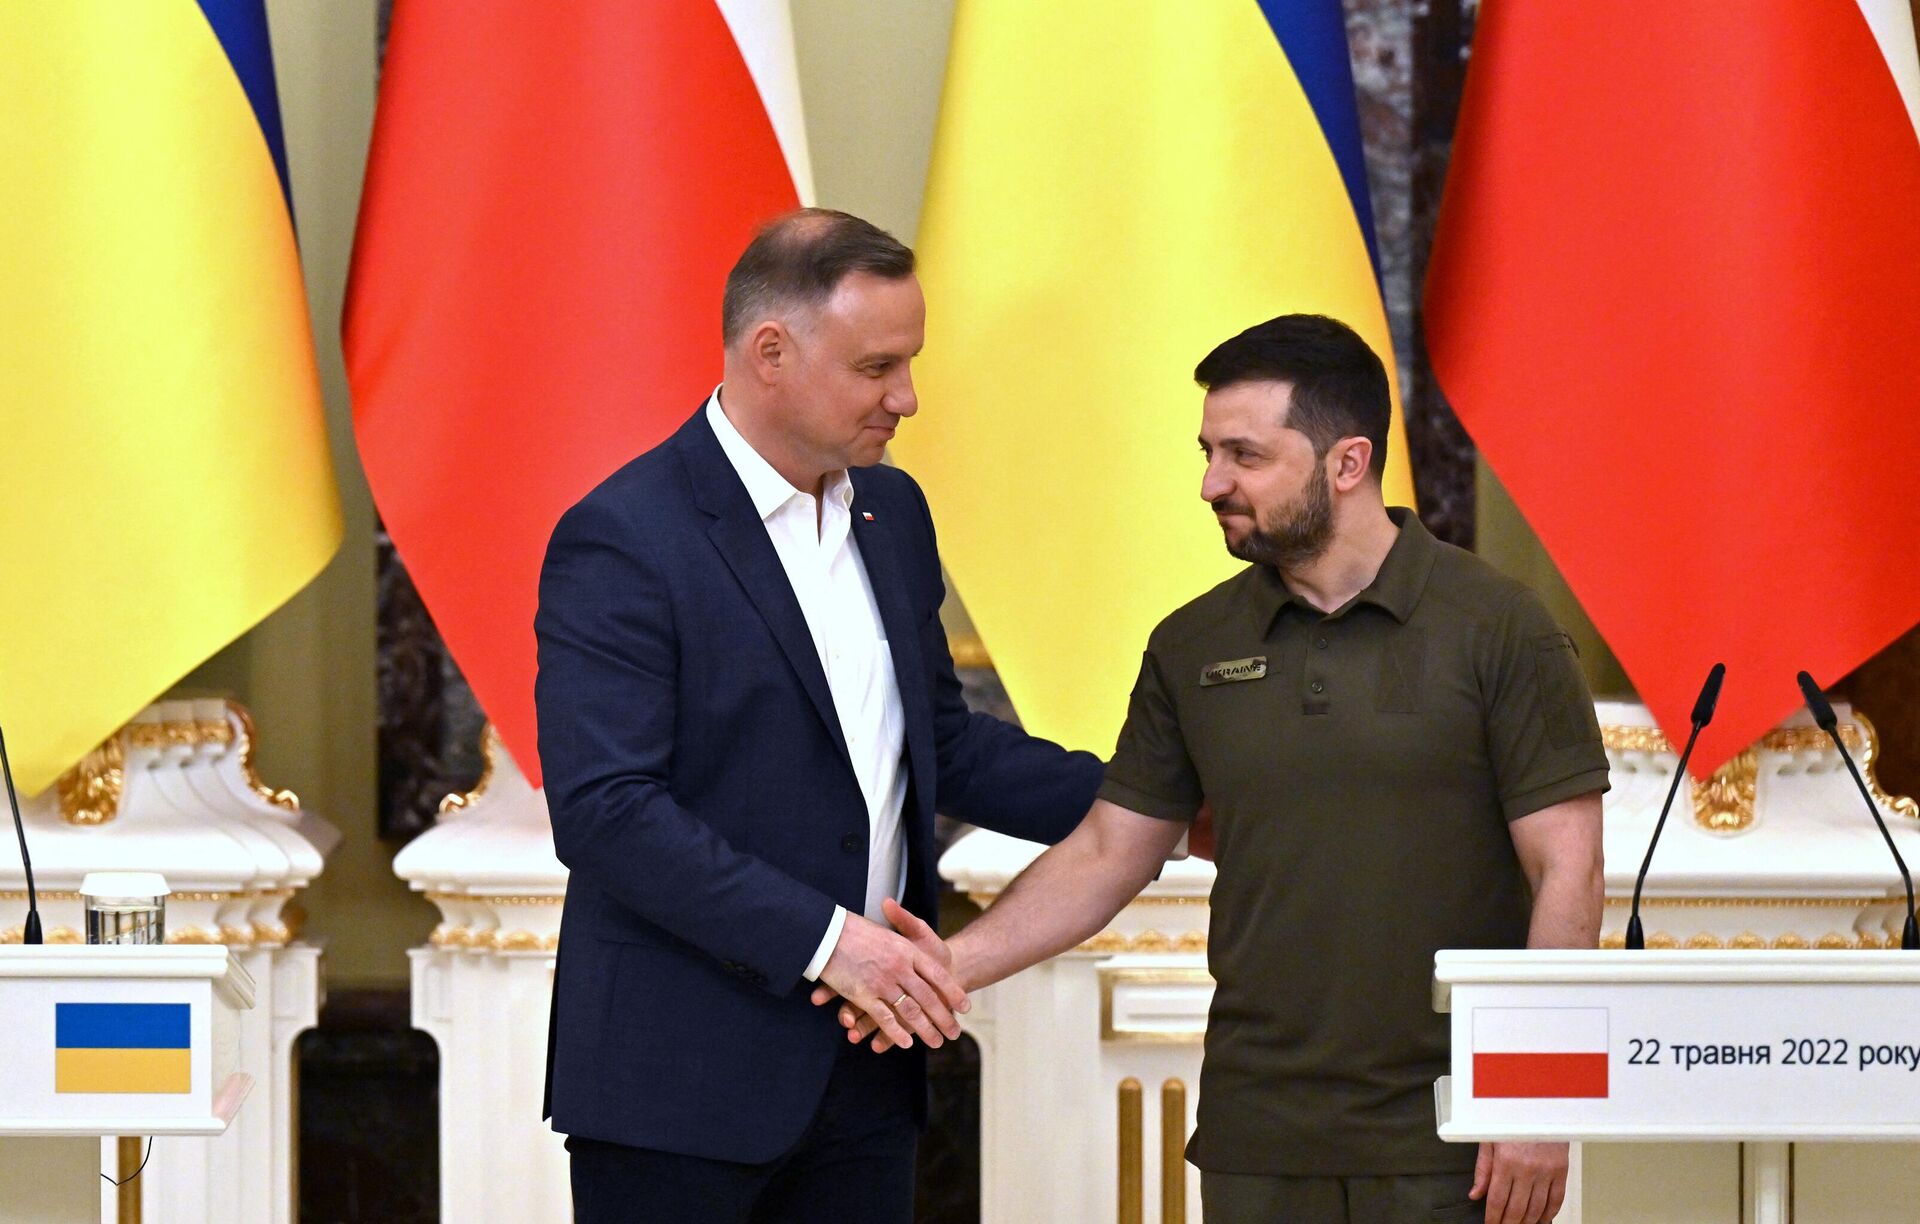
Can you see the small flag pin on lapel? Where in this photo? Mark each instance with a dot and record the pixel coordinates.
(867, 515)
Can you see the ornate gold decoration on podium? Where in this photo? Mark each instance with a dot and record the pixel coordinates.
(90, 791)
(1724, 802)
(459, 801)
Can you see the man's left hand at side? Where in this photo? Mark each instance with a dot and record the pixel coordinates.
(1521, 1183)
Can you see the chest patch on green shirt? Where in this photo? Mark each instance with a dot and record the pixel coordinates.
(1234, 670)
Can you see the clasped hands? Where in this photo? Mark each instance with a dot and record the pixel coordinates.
(899, 982)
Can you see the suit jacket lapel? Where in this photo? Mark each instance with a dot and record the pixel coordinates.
(886, 574)
(741, 539)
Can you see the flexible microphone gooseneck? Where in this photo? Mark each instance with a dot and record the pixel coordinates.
(32, 934)
(1823, 716)
(1702, 715)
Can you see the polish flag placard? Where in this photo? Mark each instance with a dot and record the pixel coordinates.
(1539, 1052)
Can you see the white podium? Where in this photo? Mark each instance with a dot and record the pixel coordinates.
(98, 1042)
(1760, 1048)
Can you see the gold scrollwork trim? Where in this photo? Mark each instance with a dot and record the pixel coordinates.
(1900, 805)
(1634, 739)
(437, 896)
(460, 801)
(1725, 802)
(1780, 739)
(283, 799)
(1832, 941)
(180, 733)
(46, 897)
(53, 935)
(201, 935)
(523, 941)
(445, 936)
(90, 791)
(452, 938)
(1110, 942)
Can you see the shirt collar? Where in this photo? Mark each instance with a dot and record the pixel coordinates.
(766, 487)
(1395, 588)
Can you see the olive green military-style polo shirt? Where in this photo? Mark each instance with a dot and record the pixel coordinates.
(1362, 767)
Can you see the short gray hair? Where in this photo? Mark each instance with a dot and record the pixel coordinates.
(799, 259)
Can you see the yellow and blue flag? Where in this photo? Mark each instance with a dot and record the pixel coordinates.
(122, 1047)
(165, 480)
(1115, 189)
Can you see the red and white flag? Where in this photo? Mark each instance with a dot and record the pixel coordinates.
(551, 209)
(1539, 1052)
(1672, 297)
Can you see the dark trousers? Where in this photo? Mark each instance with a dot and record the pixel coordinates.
(1247, 1198)
(854, 1164)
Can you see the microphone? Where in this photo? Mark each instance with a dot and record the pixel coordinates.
(1823, 716)
(32, 935)
(1702, 715)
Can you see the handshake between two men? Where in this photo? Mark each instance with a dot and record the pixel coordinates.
(900, 982)
(895, 985)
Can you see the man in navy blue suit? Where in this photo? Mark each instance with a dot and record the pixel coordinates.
(748, 717)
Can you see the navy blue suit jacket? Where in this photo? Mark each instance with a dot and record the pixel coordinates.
(705, 804)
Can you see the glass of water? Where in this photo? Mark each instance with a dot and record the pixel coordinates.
(125, 907)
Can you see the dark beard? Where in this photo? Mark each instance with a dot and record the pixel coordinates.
(1303, 531)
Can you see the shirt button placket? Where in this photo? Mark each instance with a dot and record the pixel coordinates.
(1314, 700)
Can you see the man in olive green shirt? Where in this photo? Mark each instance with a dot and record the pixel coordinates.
(1400, 755)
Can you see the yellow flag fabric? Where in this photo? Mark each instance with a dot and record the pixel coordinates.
(1115, 189)
(164, 474)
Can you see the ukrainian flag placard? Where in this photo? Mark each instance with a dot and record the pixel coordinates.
(122, 1047)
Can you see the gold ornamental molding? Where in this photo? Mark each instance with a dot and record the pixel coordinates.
(238, 935)
(1130, 1196)
(1110, 942)
(52, 935)
(1111, 979)
(459, 938)
(90, 791)
(461, 801)
(439, 895)
(523, 941)
(1724, 803)
(1173, 1151)
(1832, 941)
(281, 798)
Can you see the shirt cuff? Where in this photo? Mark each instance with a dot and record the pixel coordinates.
(827, 943)
(1157, 806)
(1590, 782)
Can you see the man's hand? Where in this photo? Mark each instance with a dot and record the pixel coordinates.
(1523, 1183)
(903, 982)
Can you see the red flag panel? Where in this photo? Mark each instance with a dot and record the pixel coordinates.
(551, 208)
(1673, 297)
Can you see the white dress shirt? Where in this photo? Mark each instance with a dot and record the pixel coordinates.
(814, 539)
